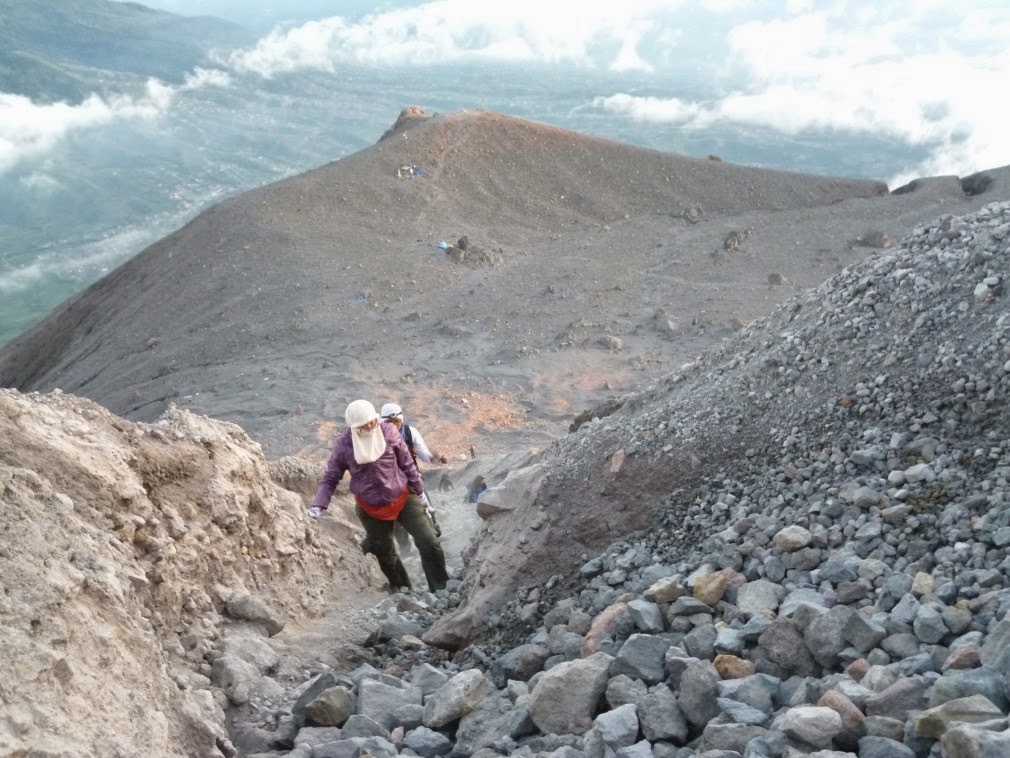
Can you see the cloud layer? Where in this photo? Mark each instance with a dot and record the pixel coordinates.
(30, 130)
(920, 75)
(454, 31)
(924, 74)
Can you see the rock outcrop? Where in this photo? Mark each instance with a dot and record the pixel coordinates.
(127, 550)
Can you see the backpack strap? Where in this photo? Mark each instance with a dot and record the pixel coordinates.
(409, 439)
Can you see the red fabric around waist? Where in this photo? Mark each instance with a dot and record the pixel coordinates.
(385, 511)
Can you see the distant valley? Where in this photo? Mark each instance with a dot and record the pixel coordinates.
(58, 51)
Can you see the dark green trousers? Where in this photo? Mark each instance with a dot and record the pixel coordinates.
(379, 542)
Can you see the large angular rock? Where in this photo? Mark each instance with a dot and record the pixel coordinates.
(975, 709)
(379, 701)
(565, 699)
(810, 724)
(641, 657)
(698, 691)
(660, 717)
(784, 646)
(456, 698)
(490, 720)
(971, 741)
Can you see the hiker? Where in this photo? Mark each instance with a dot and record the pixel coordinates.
(475, 489)
(393, 413)
(387, 490)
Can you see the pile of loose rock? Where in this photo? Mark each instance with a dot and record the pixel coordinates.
(841, 590)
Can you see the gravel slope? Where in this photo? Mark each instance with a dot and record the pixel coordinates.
(593, 268)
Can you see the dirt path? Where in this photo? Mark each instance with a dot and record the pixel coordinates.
(335, 640)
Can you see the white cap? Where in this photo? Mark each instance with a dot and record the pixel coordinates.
(359, 413)
(391, 410)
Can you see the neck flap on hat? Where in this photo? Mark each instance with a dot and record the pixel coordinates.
(368, 445)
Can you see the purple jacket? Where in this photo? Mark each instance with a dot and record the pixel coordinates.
(376, 483)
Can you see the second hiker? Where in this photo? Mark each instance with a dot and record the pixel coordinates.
(393, 413)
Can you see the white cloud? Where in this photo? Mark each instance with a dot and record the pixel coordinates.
(924, 75)
(206, 77)
(307, 47)
(629, 59)
(726, 6)
(460, 30)
(29, 130)
(22, 278)
(40, 182)
(672, 110)
(88, 262)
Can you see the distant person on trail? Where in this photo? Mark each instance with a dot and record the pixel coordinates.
(393, 413)
(475, 489)
(387, 490)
